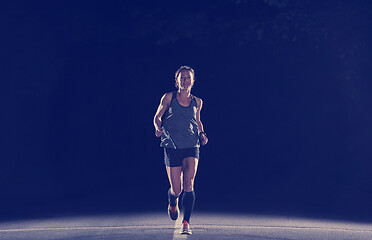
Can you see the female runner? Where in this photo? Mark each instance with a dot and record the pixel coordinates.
(177, 122)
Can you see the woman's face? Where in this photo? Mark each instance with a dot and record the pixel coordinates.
(185, 79)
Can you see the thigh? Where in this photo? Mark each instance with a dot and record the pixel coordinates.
(189, 167)
(190, 162)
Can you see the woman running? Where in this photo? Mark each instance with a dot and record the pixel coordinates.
(177, 122)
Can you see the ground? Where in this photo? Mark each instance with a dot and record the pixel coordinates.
(204, 226)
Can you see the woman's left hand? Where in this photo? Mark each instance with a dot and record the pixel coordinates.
(203, 139)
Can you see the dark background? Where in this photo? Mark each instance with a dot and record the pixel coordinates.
(286, 87)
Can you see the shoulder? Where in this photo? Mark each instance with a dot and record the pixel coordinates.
(199, 101)
(167, 98)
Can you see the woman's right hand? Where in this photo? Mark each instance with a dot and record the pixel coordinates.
(158, 132)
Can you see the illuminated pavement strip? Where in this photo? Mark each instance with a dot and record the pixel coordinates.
(178, 228)
(204, 226)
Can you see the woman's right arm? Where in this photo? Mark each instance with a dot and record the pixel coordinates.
(163, 106)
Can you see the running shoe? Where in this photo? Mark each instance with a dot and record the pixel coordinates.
(173, 212)
(186, 228)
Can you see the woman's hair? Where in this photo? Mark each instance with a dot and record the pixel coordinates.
(182, 68)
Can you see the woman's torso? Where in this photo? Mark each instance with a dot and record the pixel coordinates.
(179, 123)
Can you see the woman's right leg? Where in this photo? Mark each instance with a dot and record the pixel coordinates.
(175, 180)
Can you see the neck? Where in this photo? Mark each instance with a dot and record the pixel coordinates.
(184, 92)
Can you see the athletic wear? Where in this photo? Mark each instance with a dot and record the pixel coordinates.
(174, 157)
(179, 123)
(172, 199)
(188, 201)
(186, 228)
(173, 212)
(180, 139)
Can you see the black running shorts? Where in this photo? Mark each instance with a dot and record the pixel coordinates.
(174, 157)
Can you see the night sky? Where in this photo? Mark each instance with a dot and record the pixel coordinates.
(286, 87)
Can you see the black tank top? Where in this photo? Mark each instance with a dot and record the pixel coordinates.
(180, 128)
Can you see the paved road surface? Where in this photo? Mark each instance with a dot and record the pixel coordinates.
(205, 226)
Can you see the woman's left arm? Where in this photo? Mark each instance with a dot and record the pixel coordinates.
(202, 135)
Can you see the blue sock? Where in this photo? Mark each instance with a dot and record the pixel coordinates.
(172, 199)
(188, 201)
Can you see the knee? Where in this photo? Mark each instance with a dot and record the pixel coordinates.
(188, 186)
(176, 191)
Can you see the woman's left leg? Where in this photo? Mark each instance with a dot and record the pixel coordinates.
(189, 167)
